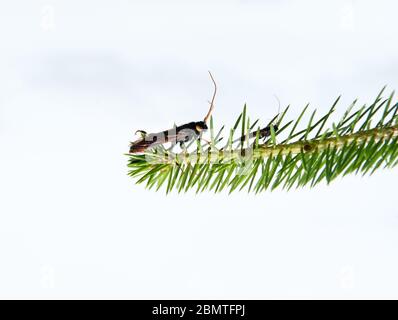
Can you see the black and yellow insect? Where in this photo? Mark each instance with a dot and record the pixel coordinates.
(262, 133)
(178, 134)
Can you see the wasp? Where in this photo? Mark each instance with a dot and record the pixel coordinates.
(266, 131)
(178, 134)
(262, 133)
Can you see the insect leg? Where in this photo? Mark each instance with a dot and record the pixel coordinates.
(142, 133)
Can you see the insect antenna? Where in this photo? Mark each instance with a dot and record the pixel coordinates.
(279, 111)
(274, 123)
(212, 100)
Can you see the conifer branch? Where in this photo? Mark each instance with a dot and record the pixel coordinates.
(303, 157)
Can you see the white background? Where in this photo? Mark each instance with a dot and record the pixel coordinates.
(77, 78)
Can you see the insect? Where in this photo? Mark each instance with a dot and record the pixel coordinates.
(180, 134)
(266, 131)
(262, 133)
